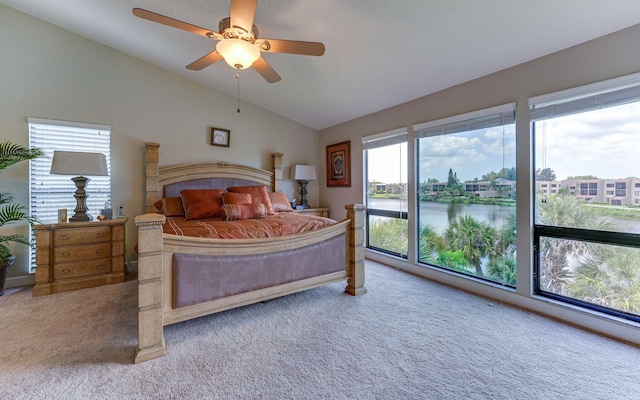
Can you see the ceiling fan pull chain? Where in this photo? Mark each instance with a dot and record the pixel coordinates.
(238, 79)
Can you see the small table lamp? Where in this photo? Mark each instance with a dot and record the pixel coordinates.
(77, 163)
(303, 174)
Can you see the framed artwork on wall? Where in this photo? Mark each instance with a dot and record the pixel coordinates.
(220, 137)
(339, 164)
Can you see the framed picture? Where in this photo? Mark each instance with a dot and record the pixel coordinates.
(220, 137)
(339, 164)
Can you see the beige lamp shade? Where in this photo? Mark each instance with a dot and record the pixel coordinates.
(303, 173)
(79, 163)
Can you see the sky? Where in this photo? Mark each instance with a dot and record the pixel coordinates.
(604, 143)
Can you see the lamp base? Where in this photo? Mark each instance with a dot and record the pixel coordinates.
(81, 200)
(303, 194)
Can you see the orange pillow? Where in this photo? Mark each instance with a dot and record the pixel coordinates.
(236, 198)
(280, 202)
(232, 212)
(202, 203)
(170, 206)
(259, 194)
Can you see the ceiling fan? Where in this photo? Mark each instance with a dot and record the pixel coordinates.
(238, 41)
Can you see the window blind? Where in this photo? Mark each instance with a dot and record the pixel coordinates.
(599, 95)
(384, 139)
(482, 119)
(47, 192)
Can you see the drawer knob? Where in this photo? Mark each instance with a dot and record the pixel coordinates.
(65, 270)
(65, 254)
(99, 266)
(99, 251)
(99, 234)
(64, 237)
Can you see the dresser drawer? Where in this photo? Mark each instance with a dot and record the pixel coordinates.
(81, 268)
(62, 237)
(86, 252)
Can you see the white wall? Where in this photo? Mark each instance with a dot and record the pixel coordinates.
(48, 72)
(600, 59)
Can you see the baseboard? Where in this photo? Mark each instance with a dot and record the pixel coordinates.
(19, 281)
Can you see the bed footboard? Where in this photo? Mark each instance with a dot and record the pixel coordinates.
(155, 276)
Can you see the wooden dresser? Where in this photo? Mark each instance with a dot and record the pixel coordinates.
(320, 212)
(79, 255)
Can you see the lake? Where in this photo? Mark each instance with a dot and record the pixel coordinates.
(439, 215)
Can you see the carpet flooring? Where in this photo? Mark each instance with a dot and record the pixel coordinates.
(407, 338)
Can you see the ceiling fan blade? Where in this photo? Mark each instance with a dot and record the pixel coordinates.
(204, 62)
(267, 72)
(242, 13)
(174, 23)
(292, 47)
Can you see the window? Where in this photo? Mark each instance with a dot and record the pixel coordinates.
(48, 193)
(587, 248)
(466, 194)
(386, 192)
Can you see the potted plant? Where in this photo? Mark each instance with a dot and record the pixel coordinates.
(10, 211)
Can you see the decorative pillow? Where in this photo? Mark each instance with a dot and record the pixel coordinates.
(236, 198)
(170, 206)
(280, 202)
(259, 194)
(202, 203)
(232, 212)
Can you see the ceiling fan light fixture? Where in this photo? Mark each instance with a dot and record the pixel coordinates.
(238, 53)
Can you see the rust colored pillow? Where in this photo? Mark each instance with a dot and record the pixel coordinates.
(232, 212)
(202, 203)
(280, 202)
(170, 206)
(259, 194)
(236, 198)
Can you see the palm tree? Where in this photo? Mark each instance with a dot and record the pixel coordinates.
(431, 243)
(556, 268)
(9, 211)
(610, 277)
(474, 238)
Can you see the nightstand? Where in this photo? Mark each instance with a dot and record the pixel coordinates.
(78, 255)
(320, 212)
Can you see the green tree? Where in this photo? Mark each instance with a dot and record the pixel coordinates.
(545, 174)
(474, 238)
(610, 277)
(455, 261)
(503, 269)
(431, 244)
(389, 234)
(556, 254)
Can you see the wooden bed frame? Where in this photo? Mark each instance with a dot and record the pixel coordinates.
(155, 251)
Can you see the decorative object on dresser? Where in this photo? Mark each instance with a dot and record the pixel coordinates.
(320, 212)
(81, 164)
(303, 174)
(339, 164)
(220, 137)
(10, 211)
(79, 255)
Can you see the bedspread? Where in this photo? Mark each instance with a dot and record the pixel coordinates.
(281, 224)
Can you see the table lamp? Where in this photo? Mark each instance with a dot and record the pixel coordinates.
(303, 174)
(81, 164)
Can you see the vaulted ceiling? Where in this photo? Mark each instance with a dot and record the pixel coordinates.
(379, 53)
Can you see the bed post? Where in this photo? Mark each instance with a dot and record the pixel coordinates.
(151, 171)
(278, 172)
(355, 268)
(150, 268)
